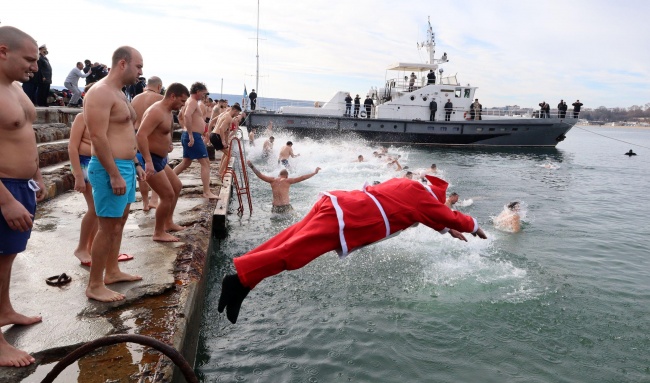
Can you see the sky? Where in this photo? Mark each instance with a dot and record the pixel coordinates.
(516, 52)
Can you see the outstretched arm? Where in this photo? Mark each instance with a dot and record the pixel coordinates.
(303, 177)
(258, 174)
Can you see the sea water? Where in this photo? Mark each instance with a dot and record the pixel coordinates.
(566, 299)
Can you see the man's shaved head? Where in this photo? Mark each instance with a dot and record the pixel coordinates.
(13, 37)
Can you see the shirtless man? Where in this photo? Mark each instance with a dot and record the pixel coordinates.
(155, 141)
(112, 171)
(216, 112)
(20, 177)
(192, 138)
(267, 148)
(451, 200)
(140, 104)
(79, 151)
(221, 133)
(280, 187)
(285, 153)
(509, 219)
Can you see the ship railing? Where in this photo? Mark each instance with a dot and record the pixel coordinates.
(555, 113)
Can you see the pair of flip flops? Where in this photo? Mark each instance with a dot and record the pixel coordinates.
(120, 258)
(58, 280)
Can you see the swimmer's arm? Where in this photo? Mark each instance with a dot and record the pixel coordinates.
(97, 115)
(76, 133)
(303, 177)
(516, 223)
(147, 126)
(259, 174)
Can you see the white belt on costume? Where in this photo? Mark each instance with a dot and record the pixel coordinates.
(339, 215)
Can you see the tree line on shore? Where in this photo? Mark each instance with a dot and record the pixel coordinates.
(605, 114)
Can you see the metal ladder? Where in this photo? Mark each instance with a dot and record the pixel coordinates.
(239, 166)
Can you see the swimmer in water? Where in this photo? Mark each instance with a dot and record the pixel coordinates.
(509, 219)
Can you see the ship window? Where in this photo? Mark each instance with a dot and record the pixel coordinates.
(515, 129)
(443, 129)
(395, 127)
(456, 129)
(479, 129)
(458, 92)
(355, 124)
(466, 93)
(381, 126)
(368, 125)
(503, 129)
(491, 129)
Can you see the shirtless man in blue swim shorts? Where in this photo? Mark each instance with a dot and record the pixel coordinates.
(192, 138)
(112, 170)
(155, 141)
(21, 184)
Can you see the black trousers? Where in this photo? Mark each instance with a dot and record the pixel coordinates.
(43, 92)
(433, 115)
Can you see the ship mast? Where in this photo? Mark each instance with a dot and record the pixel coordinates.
(430, 44)
(257, 51)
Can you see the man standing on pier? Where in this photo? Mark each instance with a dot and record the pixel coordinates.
(345, 221)
(220, 136)
(140, 104)
(44, 76)
(155, 142)
(21, 184)
(112, 171)
(192, 138)
(253, 98)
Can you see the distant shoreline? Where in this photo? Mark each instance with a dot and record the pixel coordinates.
(616, 126)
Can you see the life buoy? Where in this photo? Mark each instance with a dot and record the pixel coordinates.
(363, 114)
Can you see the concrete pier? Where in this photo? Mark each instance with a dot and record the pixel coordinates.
(165, 305)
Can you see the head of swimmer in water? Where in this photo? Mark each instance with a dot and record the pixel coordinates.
(514, 206)
(284, 173)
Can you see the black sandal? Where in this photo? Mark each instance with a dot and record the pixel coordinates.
(58, 280)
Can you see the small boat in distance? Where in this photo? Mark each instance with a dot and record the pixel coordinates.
(400, 113)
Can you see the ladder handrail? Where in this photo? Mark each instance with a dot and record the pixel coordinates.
(243, 189)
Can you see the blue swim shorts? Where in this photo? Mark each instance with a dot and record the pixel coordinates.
(84, 161)
(107, 204)
(24, 191)
(159, 163)
(196, 151)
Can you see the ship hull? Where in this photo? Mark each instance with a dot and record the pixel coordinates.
(510, 132)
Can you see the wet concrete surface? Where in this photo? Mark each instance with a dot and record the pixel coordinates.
(158, 306)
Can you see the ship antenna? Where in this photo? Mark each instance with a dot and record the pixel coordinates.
(431, 42)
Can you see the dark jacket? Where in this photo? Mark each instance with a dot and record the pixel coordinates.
(44, 69)
(433, 105)
(368, 102)
(348, 100)
(576, 106)
(449, 105)
(357, 100)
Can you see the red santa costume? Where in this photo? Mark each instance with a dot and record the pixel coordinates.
(347, 220)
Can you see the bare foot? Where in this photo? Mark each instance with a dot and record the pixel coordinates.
(174, 227)
(120, 277)
(210, 195)
(19, 319)
(164, 237)
(83, 256)
(103, 294)
(153, 204)
(10, 356)
(146, 208)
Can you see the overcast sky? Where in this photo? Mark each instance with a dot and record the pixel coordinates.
(516, 52)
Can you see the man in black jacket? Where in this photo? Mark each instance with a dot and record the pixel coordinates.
(431, 77)
(576, 108)
(253, 98)
(357, 105)
(433, 107)
(368, 105)
(448, 108)
(43, 76)
(348, 105)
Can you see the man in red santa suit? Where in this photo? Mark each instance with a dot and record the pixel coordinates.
(345, 221)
